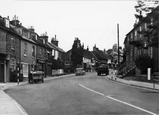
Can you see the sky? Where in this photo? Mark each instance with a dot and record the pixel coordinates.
(92, 21)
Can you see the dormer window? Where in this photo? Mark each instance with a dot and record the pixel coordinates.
(7, 24)
(33, 36)
(43, 41)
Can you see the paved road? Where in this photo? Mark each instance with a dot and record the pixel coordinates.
(85, 95)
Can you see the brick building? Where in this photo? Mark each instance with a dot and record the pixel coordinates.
(142, 40)
(9, 50)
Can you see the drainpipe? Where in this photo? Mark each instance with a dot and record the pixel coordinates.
(5, 72)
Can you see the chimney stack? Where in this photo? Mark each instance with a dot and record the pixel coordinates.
(54, 41)
(44, 37)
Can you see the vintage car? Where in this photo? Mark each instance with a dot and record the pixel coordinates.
(80, 71)
(36, 77)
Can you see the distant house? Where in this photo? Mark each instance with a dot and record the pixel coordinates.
(58, 57)
(100, 55)
(43, 62)
(89, 60)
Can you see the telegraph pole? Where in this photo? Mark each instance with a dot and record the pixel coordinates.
(118, 44)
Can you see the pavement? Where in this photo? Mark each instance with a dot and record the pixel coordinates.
(8, 106)
(147, 85)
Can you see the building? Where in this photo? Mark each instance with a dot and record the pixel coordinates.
(58, 57)
(100, 55)
(142, 40)
(89, 60)
(9, 51)
(28, 47)
(44, 60)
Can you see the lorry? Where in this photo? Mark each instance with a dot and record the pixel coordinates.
(36, 76)
(102, 68)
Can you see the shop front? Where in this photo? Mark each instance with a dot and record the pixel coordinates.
(2, 68)
(48, 68)
(41, 65)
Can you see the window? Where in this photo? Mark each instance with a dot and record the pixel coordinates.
(135, 33)
(145, 25)
(25, 49)
(131, 36)
(12, 43)
(40, 51)
(33, 51)
(13, 64)
(53, 52)
(140, 31)
(33, 37)
(44, 51)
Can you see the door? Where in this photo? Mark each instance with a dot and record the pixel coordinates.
(1, 72)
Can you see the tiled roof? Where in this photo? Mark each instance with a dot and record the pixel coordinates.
(88, 54)
(100, 54)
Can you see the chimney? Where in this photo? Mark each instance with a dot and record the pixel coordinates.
(44, 37)
(54, 41)
(15, 21)
(87, 48)
(94, 48)
(31, 28)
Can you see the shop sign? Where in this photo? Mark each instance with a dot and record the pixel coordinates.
(40, 61)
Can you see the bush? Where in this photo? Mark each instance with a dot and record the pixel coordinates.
(143, 62)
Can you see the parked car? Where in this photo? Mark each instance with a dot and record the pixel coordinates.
(80, 71)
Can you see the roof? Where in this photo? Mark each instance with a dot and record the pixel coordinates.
(88, 54)
(23, 37)
(100, 54)
(144, 19)
(55, 47)
(11, 30)
(109, 51)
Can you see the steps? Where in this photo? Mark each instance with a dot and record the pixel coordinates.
(126, 69)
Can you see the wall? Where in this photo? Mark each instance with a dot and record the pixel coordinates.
(2, 41)
(27, 60)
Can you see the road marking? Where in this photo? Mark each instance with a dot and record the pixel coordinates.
(118, 100)
(91, 90)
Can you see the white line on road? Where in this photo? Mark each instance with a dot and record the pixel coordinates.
(118, 100)
(91, 90)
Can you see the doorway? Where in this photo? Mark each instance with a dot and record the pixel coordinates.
(1, 72)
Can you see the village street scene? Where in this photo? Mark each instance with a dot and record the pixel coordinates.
(79, 57)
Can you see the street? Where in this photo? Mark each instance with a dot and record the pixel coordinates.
(85, 95)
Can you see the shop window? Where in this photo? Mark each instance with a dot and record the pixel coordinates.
(13, 64)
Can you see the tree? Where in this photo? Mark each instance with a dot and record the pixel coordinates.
(143, 8)
(149, 34)
(77, 53)
(143, 62)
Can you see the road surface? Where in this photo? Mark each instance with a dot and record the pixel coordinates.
(85, 95)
